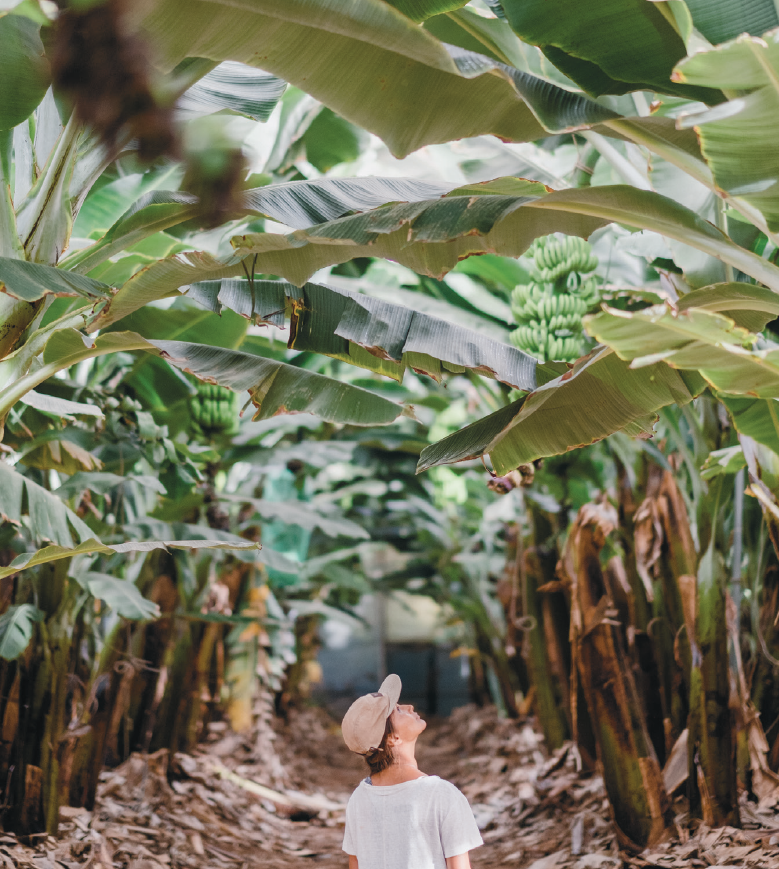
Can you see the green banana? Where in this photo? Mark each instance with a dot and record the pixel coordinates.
(214, 411)
(548, 310)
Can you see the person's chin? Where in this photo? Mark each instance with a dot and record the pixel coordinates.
(423, 724)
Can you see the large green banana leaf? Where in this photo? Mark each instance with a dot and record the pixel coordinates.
(756, 418)
(24, 70)
(121, 595)
(152, 212)
(410, 89)
(730, 358)
(490, 36)
(295, 203)
(749, 306)
(720, 20)
(597, 397)
(420, 10)
(368, 332)
(161, 388)
(738, 138)
(274, 387)
(502, 216)
(147, 527)
(405, 86)
(613, 46)
(32, 281)
(300, 204)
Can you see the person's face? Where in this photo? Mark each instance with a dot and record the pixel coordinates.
(406, 723)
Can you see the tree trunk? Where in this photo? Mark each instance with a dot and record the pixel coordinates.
(631, 773)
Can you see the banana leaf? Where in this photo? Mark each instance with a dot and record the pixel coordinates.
(419, 10)
(610, 47)
(431, 236)
(233, 87)
(304, 516)
(412, 90)
(372, 333)
(32, 281)
(47, 517)
(121, 595)
(738, 137)
(16, 626)
(726, 355)
(92, 546)
(274, 387)
(24, 69)
(598, 396)
(720, 20)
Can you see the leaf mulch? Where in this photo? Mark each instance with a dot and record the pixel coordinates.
(227, 806)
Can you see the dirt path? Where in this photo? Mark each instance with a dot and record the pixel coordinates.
(205, 810)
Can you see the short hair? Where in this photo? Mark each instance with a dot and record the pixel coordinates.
(381, 758)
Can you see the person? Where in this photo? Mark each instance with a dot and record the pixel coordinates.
(398, 817)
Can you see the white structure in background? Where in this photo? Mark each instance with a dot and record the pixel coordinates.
(397, 632)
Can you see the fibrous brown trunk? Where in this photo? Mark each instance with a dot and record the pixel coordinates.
(631, 772)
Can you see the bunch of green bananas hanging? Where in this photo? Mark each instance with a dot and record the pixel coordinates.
(214, 410)
(549, 309)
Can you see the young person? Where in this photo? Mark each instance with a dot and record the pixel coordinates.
(398, 817)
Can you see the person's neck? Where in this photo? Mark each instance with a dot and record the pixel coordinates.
(404, 768)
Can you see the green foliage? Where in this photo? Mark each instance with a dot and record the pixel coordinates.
(120, 594)
(16, 627)
(24, 69)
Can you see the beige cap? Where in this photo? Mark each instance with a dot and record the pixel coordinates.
(365, 720)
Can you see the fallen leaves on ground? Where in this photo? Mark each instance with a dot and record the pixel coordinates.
(224, 807)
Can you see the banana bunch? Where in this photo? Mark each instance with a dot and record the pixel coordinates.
(214, 411)
(549, 310)
(555, 257)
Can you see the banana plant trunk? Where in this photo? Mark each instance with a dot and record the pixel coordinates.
(712, 748)
(639, 803)
(545, 621)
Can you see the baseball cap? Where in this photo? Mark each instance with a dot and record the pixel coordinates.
(365, 720)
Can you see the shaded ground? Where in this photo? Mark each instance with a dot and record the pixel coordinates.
(207, 811)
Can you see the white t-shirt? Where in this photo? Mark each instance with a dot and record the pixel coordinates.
(413, 825)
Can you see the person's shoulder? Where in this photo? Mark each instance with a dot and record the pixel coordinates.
(361, 788)
(446, 789)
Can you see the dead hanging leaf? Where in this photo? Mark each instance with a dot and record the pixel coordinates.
(618, 578)
(662, 532)
(676, 526)
(676, 770)
(765, 782)
(648, 541)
